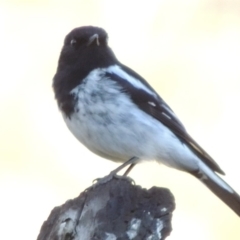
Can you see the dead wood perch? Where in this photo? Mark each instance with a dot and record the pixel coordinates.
(115, 210)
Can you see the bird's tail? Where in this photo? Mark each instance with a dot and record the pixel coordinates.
(219, 187)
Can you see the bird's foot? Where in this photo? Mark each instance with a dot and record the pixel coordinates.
(113, 174)
(109, 177)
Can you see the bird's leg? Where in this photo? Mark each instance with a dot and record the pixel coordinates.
(129, 169)
(131, 161)
(113, 173)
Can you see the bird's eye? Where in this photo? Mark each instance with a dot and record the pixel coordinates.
(73, 42)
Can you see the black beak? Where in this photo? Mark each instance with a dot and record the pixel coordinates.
(92, 39)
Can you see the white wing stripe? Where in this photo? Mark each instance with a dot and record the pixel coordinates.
(134, 81)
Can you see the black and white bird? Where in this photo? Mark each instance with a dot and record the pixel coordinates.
(116, 114)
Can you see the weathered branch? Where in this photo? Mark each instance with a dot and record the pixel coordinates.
(115, 210)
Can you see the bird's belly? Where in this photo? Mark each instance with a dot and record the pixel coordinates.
(115, 137)
(121, 134)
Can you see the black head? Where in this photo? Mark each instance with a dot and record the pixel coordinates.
(80, 37)
(84, 49)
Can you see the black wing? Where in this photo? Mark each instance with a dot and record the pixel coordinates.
(155, 106)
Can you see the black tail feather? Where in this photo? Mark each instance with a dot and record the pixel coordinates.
(232, 199)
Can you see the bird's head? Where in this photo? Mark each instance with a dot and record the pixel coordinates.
(86, 47)
(84, 37)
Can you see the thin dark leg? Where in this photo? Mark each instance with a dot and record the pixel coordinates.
(131, 161)
(129, 169)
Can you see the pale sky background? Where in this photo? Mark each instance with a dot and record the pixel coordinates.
(189, 51)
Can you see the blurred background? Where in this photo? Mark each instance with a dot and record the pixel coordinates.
(188, 50)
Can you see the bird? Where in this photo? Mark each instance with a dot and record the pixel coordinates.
(117, 115)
